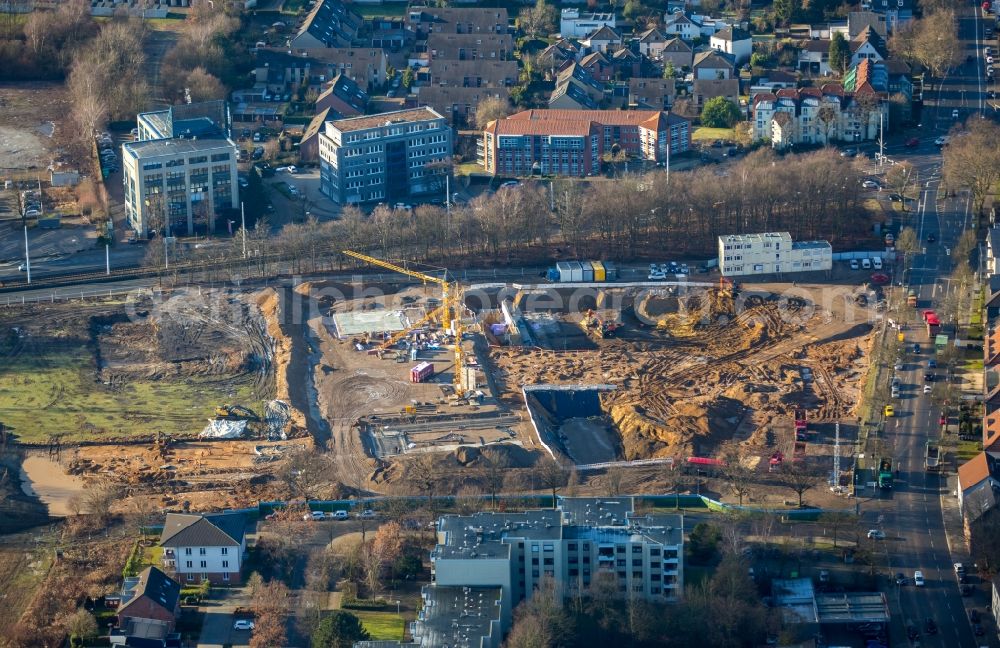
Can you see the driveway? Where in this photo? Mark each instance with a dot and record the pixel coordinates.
(217, 628)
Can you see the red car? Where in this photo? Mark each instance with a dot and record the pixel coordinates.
(913, 142)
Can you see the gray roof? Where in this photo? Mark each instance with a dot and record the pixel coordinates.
(595, 511)
(212, 530)
(732, 34)
(156, 586)
(332, 23)
(713, 59)
(154, 148)
(459, 616)
(993, 239)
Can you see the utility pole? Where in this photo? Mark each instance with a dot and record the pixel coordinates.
(881, 138)
(835, 477)
(107, 258)
(27, 256)
(243, 228)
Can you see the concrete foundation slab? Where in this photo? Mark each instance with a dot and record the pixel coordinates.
(358, 322)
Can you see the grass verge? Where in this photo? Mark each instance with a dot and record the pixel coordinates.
(382, 626)
(705, 133)
(967, 450)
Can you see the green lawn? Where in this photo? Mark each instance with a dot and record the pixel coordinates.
(152, 556)
(55, 391)
(382, 626)
(705, 133)
(974, 366)
(967, 450)
(467, 168)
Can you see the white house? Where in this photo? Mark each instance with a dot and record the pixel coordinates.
(851, 119)
(680, 25)
(204, 547)
(576, 24)
(814, 58)
(733, 41)
(771, 253)
(868, 45)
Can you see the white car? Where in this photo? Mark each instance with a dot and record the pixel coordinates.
(876, 534)
(870, 184)
(918, 578)
(959, 569)
(368, 514)
(927, 389)
(292, 169)
(941, 141)
(989, 60)
(656, 276)
(854, 264)
(243, 624)
(954, 113)
(313, 515)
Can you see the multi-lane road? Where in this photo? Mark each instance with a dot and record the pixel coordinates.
(911, 515)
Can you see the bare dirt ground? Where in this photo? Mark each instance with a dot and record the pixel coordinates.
(33, 117)
(685, 389)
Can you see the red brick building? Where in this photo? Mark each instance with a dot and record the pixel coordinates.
(150, 605)
(573, 142)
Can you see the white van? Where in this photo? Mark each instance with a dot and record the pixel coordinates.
(866, 264)
(877, 263)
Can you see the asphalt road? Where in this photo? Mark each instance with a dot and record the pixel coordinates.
(911, 514)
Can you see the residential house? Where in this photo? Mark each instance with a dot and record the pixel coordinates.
(900, 78)
(604, 39)
(896, 12)
(330, 23)
(574, 23)
(469, 47)
(627, 64)
(993, 251)
(771, 253)
(705, 89)
(388, 157)
(573, 142)
(599, 66)
(677, 52)
(282, 71)
(389, 33)
(148, 611)
(457, 20)
(978, 488)
(343, 96)
(868, 45)
(680, 25)
(559, 53)
(309, 144)
(814, 58)
(858, 21)
(458, 105)
(733, 41)
(651, 43)
(712, 64)
(577, 89)
(652, 94)
(471, 74)
(199, 547)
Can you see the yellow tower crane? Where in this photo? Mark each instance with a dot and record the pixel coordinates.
(449, 314)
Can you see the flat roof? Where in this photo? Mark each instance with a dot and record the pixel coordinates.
(753, 238)
(458, 616)
(358, 322)
(811, 245)
(853, 607)
(153, 148)
(424, 113)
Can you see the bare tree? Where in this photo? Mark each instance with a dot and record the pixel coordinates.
(381, 551)
(972, 161)
(937, 45)
(799, 476)
(496, 465)
(490, 109)
(550, 476)
(737, 475)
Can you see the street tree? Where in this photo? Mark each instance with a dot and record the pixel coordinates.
(495, 466)
(799, 477)
(937, 45)
(382, 551)
(551, 476)
(735, 472)
(900, 178)
(836, 522)
(972, 161)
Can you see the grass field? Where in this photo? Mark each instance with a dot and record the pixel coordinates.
(56, 392)
(382, 626)
(21, 573)
(711, 134)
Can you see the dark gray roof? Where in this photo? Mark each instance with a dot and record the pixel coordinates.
(732, 34)
(213, 530)
(713, 59)
(156, 586)
(332, 23)
(604, 33)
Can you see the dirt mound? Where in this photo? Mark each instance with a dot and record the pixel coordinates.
(270, 305)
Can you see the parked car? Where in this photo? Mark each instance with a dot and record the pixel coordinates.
(870, 184)
(900, 578)
(954, 113)
(913, 142)
(367, 514)
(243, 624)
(876, 534)
(918, 578)
(895, 197)
(854, 264)
(941, 141)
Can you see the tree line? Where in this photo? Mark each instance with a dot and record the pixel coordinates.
(813, 196)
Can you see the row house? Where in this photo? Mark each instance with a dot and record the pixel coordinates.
(283, 72)
(330, 23)
(469, 47)
(457, 20)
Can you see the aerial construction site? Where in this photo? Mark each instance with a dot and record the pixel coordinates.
(198, 392)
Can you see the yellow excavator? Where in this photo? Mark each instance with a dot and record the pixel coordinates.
(449, 314)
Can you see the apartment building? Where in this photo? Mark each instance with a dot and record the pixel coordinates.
(573, 142)
(456, 20)
(386, 157)
(181, 172)
(204, 547)
(579, 542)
(771, 253)
(792, 116)
(574, 23)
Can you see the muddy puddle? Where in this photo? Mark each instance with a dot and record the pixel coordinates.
(46, 479)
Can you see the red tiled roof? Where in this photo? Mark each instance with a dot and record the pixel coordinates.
(991, 346)
(991, 432)
(606, 117)
(790, 93)
(579, 127)
(764, 96)
(973, 471)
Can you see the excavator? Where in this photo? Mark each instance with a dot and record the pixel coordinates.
(593, 324)
(235, 412)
